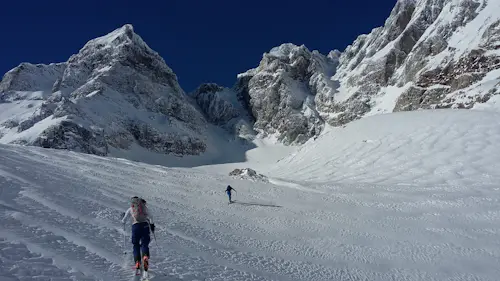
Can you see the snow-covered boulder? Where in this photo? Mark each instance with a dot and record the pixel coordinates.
(248, 174)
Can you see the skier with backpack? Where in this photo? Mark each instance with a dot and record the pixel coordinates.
(228, 192)
(142, 225)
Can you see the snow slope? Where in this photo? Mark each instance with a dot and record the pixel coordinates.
(418, 201)
(433, 147)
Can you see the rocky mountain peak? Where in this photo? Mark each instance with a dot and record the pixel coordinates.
(114, 94)
(118, 37)
(119, 51)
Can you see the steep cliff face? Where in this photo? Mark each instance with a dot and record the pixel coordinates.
(218, 103)
(225, 108)
(281, 92)
(429, 54)
(115, 93)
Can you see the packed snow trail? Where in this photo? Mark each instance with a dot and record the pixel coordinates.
(60, 213)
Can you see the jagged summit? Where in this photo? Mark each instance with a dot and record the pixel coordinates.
(118, 37)
(114, 94)
(120, 51)
(286, 50)
(121, 41)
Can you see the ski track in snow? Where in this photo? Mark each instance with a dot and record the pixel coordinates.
(412, 201)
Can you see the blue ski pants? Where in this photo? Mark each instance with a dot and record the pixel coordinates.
(229, 195)
(140, 240)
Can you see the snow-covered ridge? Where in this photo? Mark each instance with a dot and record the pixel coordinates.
(429, 54)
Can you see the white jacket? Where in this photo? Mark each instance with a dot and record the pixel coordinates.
(134, 221)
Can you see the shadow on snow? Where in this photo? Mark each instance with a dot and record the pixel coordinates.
(256, 204)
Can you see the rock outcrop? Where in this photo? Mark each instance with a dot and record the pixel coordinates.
(248, 174)
(281, 93)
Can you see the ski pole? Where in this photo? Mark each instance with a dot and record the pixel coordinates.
(124, 240)
(156, 242)
(154, 235)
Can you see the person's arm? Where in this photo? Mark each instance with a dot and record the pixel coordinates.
(150, 218)
(127, 214)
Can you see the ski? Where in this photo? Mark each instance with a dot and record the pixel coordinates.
(137, 275)
(141, 275)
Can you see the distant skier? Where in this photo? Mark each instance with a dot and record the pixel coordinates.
(228, 192)
(142, 222)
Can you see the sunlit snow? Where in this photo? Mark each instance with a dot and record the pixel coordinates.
(406, 196)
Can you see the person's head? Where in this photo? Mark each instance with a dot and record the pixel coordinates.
(133, 199)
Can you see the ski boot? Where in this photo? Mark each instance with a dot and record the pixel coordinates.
(145, 260)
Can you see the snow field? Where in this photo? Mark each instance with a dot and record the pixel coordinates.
(449, 147)
(77, 218)
(407, 196)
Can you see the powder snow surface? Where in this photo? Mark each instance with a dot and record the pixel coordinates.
(406, 196)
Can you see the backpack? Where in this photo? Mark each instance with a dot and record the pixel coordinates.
(139, 209)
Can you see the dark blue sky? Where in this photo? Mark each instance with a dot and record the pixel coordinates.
(202, 41)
